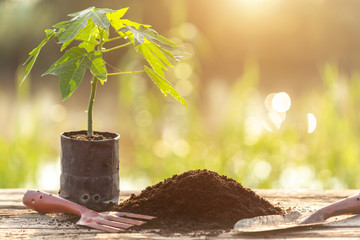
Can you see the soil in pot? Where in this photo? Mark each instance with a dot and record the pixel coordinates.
(197, 200)
(84, 137)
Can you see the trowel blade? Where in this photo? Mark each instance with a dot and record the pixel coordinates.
(270, 223)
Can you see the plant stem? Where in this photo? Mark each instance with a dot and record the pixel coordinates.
(117, 47)
(121, 73)
(86, 41)
(115, 38)
(90, 131)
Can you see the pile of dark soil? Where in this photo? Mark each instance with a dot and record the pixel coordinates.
(197, 200)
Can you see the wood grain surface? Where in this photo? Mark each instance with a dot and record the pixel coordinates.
(19, 222)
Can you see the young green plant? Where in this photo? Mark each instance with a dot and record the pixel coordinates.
(89, 31)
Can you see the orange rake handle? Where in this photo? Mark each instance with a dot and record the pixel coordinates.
(47, 203)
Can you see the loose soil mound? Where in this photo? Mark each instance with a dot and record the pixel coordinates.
(197, 200)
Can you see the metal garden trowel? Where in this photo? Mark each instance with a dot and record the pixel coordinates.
(350, 205)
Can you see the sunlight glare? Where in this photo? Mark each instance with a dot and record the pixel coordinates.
(299, 177)
(161, 149)
(268, 102)
(181, 148)
(262, 169)
(311, 122)
(183, 71)
(281, 102)
(276, 119)
(188, 31)
(250, 1)
(253, 129)
(49, 175)
(184, 87)
(253, 126)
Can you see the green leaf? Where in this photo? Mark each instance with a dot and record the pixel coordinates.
(117, 22)
(142, 33)
(80, 20)
(128, 22)
(99, 17)
(71, 69)
(65, 44)
(89, 36)
(155, 48)
(50, 33)
(164, 86)
(114, 18)
(61, 25)
(155, 57)
(82, 12)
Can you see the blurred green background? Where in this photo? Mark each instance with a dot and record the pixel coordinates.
(273, 89)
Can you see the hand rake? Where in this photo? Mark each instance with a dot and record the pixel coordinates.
(107, 221)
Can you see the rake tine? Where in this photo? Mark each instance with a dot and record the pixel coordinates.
(134, 215)
(114, 224)
(124, 220)
(104, 228)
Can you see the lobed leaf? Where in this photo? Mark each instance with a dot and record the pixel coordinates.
(99, 17)
(65, 44)
(155, 57)
(82, 12)
(80, 20)
(164, 86)
(50, 33)
(89, 36)
(115, 18)
(71, 69)
(141, 33)
(156, 49)
(117, 22)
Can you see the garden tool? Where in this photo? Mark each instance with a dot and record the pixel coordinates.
(107, 221)
(350, 205)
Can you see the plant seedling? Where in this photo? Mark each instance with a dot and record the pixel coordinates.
(90, 29)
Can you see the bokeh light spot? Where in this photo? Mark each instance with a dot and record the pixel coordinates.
(181, 148)
(188, 31)
(268, 102)
(184, 87)
(161, 149)
(183, 70)
(281, 102)
(312, 123)
(262, 170)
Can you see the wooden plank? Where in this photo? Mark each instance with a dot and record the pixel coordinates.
(54, 233)
(316, 233)
(18, 222)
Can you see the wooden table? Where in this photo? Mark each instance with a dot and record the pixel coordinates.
(18, 222)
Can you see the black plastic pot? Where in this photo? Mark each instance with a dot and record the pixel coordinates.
(90, 170)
